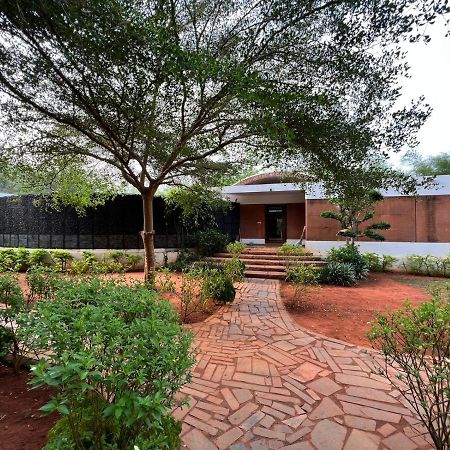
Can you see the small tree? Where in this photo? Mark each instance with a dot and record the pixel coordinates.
(416, 346)
(354, 211)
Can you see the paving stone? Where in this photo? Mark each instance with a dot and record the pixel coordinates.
(229, 438)
(386, 429)
(196, 440)
(295, 422)
(326, 408)
(328, 435)
(252, 420)
(361, 440)
(354, 380)
(399, 441)
(324, 386)
(241, 414)
(307, 371)
(298, 446)
(360, 422)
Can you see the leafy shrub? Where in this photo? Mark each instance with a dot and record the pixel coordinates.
(415, 343)
(302, 274)
(339, 273)
(184, 259)
(12, 303)
(42, 283)
(234, 268)
(350, 254)
(236, 248)
(14, 259)
(191, 296)
(427, 265)
(61, 258)
(118, 369)
(218, 286)
(40, 257)
(379, 263)
(165, 282)
(121, 260)
(199, 267)
(293, 250)
(211, 241)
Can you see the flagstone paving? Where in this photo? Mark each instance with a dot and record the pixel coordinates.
(263, 382)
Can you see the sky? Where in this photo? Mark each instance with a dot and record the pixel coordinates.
(430, 76)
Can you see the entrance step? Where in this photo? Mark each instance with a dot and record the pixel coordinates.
(259, 274)
(275, 257)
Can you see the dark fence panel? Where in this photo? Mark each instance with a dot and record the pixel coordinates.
(116, 225)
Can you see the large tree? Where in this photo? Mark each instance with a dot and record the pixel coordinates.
(161, 90)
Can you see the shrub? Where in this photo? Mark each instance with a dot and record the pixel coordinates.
(61, 258)
(350, 254)
(236, 248)
(40, 257)
(211, 241)
(234, 268)
(14, 259)
(218, 286)
(184, 259)
(12, 303)
(302, 274)
(415, 343)
(293, 250)
(120, 261)
(165, 282)
(338, 273)
(191, 297)
(379, 263)
(42, 283)
(427, 265)
(118, 369)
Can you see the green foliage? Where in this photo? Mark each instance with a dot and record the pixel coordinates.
(191, 296)
(218, 286)
(234, 269)
(184, 260)
(236, 248)
(165, 282)
(42, 283)
(12, 303)
(118, 369)
(14, 259)
(429, 166)
(41, 257)
(211, 241)
(339, 273)
(379, 263)
(355, 208)
(303, 274)
(427, 265)
(61, 258)
(293, 250)
(349, 254)
(198, 204)
(415, 343)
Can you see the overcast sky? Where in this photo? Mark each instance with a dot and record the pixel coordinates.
(430, 76)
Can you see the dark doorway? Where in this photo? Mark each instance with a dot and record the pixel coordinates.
(275, 223)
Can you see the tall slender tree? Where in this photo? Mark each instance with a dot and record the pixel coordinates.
(165, 89)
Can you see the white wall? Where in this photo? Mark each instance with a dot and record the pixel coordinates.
(397, 249)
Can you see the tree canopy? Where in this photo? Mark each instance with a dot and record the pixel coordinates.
(168, 90)
(428, 166)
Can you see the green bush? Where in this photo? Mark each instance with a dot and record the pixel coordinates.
(415, 343)
(42, 283)
(12, 303)
(218, 286)
(234, 268)
(427, 265)
(236, 248)
(302, 274)
(293, 250)
(379, 263)
(184, 260)
(117, 370)
(350, 254)
(14, 259)
(211, 241)
(61, 258)
(338, 273)
(40, 257)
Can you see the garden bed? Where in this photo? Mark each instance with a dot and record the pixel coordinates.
(22, 425)
(345, 312)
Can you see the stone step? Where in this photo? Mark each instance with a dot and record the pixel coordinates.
(265, 274)
(269, 262)
(270, 257)
(265, 268)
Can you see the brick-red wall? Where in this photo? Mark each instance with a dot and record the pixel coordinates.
(421, 219)
(295, 220)
(253, 221)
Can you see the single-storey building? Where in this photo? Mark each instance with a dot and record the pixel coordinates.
(274, 211)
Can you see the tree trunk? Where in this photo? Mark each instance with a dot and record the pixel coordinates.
(148, 235)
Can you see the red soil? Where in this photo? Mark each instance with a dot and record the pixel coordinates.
(345, 312)
(22, 425)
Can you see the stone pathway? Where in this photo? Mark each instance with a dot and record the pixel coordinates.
(263, 382)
